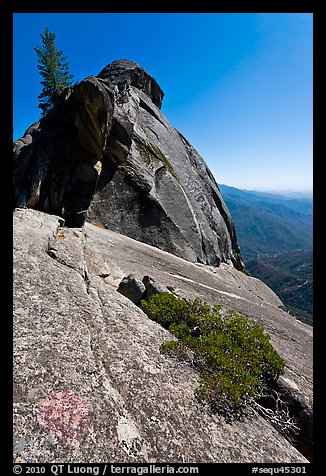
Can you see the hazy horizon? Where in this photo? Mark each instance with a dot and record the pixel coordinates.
(273, 190)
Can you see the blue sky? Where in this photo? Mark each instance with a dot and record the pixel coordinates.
(237, 85)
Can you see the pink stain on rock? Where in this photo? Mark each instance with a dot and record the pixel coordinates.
(64, 414)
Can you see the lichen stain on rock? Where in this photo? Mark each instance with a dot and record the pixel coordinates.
(87, 124)
(35, 195)
(64, 413)
(145, 153)
(92, 108)
(98, 167)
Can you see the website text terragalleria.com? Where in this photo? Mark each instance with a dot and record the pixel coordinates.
(56, 469)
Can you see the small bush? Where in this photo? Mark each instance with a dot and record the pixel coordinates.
(232, 353)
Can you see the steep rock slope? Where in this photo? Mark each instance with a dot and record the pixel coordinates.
(106, 152)
(89, 382)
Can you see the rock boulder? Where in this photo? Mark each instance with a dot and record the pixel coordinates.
(106, 152)
(133, 288)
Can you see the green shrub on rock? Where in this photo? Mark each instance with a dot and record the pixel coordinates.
(232, 353)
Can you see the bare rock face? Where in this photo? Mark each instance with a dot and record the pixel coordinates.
(125, 73)
(106, 152)
(90, 384)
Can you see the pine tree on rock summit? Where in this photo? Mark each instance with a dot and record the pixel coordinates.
(54, 69)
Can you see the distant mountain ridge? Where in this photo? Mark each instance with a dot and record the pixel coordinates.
(298, 201)
(269, 224)
(275, 235)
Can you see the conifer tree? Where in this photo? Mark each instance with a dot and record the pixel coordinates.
(54, 69)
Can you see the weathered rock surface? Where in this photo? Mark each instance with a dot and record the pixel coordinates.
(106, 152)
(84, 351)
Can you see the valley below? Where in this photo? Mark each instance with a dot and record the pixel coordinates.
(275, 235)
